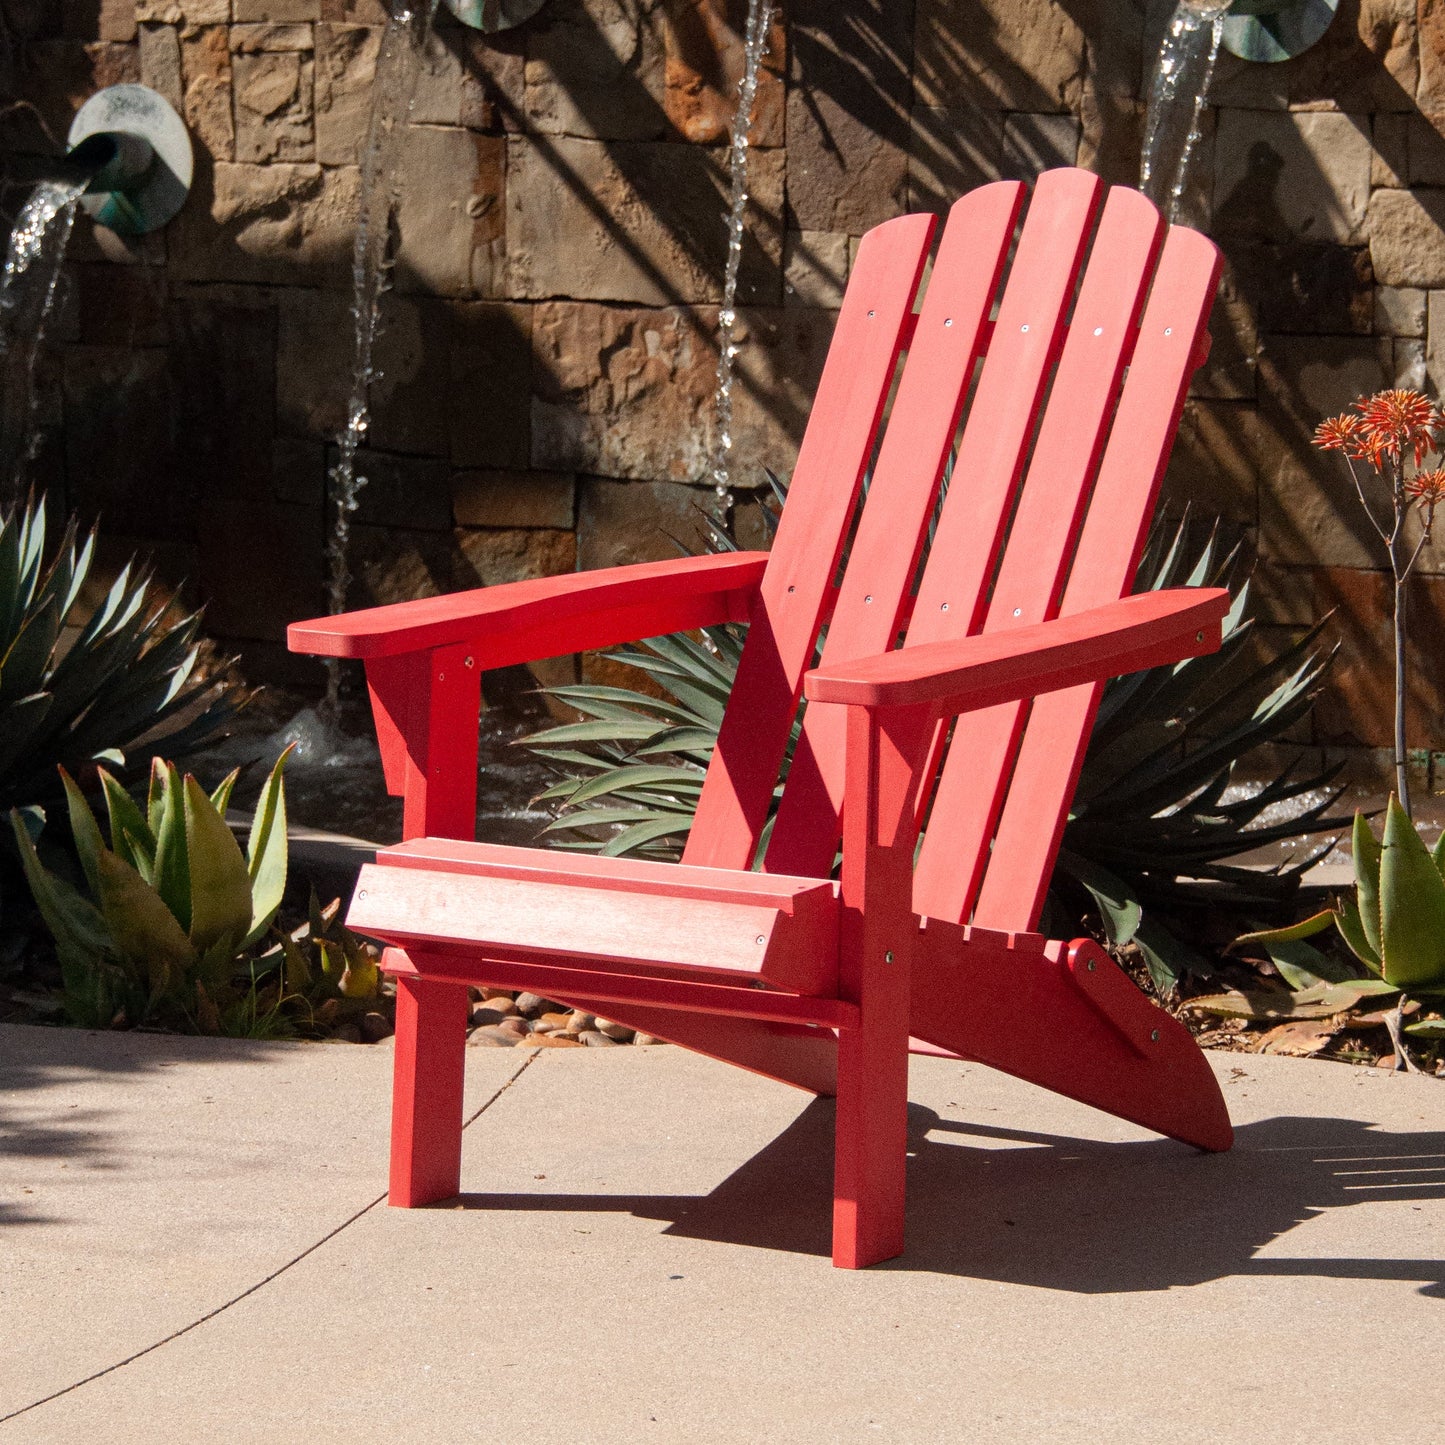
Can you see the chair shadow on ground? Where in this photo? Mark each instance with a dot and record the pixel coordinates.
(1069, 1214)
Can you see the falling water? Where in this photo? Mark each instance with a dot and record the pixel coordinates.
(755, 44)
(398, 67)
(27, 291)
(1176, 100)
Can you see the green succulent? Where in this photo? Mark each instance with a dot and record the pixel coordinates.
(172, 905)
(1150, 834)
(80, 687)
(1394, 925)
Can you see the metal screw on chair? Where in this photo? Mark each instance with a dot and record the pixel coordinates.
(1090, 965)
(888, 956)
(943, 607)
(1199, 637)
(471, 662)
(1154, 1036)
(761, 938)
(361, 893)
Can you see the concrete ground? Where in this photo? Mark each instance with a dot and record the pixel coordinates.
(192, 1248)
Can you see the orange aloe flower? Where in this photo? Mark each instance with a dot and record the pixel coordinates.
(1427, 488)
(1396, 421)
(1343, 433)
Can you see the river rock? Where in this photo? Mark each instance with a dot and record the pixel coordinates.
(595, 1040)
(490, 1036)
(618, 1033)
(579, 1022)
(553, 1041)
(375, 1027)
(532, 1004)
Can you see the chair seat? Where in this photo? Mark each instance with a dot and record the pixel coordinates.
(526, 905)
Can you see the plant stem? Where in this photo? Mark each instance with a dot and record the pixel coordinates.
(1400, 565)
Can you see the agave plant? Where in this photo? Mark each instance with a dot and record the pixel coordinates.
(173, 907)
(78, 688)
(1394, 926)
(1154, 818)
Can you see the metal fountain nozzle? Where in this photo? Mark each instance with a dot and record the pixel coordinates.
(138, 155)
(1275, 30)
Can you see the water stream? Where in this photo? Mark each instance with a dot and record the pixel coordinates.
(755, 45)
(27, 291)
(373, 256)
(1176, 100)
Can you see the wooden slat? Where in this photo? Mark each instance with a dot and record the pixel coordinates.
(625, 875)
(527, 921)
(1040, 546)
(557, 981)
(885, 548)
(544, 608)
(1123, 636)
(798, 584)
(1168, 349)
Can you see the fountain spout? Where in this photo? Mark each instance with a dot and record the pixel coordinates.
(131, 150)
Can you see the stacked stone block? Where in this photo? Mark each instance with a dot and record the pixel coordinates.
(545, 398)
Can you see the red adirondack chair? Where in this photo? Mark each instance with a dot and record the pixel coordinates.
(973, 730)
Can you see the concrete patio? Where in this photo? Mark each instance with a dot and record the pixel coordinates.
(194, 1248)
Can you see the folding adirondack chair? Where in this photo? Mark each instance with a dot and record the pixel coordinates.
(974, 729)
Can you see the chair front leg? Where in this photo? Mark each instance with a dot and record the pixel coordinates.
(426, 1101)
(884, 756)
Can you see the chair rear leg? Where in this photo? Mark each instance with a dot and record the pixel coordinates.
(871, 1157)
(426, 1100)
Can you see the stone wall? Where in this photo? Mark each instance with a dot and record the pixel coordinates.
(548, 356)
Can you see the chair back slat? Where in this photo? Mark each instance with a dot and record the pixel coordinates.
(1172, 342)
(883, 556)
(1040, 545)
(798, 584)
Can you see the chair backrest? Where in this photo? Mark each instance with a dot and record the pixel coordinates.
(1068, 384)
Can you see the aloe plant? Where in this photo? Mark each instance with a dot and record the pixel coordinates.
(82, 686)
(1394, 926)
(173, 905)
(1150, 837)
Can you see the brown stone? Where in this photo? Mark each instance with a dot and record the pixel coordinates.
(206, 71)
(555, 1021)
(298, 472)
(393, 564)
(313, 361)
(1400, 311)
(281, 223)
(847, 123)
(704, 48)
(1356, 709)
(815, 268)
(636, 222)
(254, 39)
(623, 522)
(287, 12)
(57, 77)
(1407, 237)
(514, 499)
(404, 492)
(1294, 176)
(1025, 55)
(596, 68)
(490, 1036)
(1034, 143)
(345, 66)
(119, 305)
(623, 393)
(1305, 288)
(451, 208)
(490, 394)
(113, 20)
(554, 1041)
(1230, 368)
(1390, 163)
(952, 151)
(160, 63)
(1215, 466)
(273, 91)
(189, 13)
(354, 12)
(1366, 61)
(1308, 509)
(410, 396)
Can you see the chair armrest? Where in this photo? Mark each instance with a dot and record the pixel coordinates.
(547, 616)
(1141, 631)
